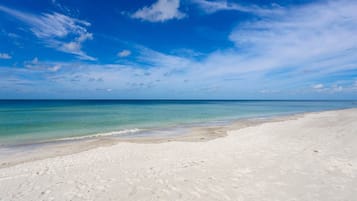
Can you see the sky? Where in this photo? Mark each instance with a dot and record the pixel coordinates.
(178, 49)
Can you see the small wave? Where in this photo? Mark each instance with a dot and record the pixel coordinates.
(112, 133)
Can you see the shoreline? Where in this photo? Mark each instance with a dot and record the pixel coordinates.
(303, 157)
(23, 153)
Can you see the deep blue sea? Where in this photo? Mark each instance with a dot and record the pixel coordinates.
(24, 121)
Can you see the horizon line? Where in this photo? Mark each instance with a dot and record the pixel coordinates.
(164, 99)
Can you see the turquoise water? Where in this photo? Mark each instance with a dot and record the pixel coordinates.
(40, 120)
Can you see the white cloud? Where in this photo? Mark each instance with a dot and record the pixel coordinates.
(124, 53)
(55, 68)
(318, 86)
(56, 30)
(5, 56)
(215, 6)
(36, 65)
(160, 11)
(159, 59)
(334, 88)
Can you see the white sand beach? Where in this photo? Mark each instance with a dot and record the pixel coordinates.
(309, 158)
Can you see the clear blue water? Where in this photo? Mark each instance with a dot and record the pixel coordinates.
(39, 120)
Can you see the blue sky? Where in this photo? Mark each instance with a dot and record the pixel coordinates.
(178, 49)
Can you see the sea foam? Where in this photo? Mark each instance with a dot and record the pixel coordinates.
(104, 134)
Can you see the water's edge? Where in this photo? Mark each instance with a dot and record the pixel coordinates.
(17, 154)
(30, 122)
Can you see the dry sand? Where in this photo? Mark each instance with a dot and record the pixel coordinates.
(313, 157)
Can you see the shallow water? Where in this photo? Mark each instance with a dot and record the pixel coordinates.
(23, 121)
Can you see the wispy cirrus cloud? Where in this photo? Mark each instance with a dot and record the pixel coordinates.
(223, 5)
(56, 30)
(315, 37)
(160, 11)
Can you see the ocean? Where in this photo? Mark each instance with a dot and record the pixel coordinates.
(32, 121)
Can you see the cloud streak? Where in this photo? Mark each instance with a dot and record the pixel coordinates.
(56, 30)
(223, 5)
(316, 37)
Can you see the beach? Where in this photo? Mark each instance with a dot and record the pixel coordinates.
(311, 156)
